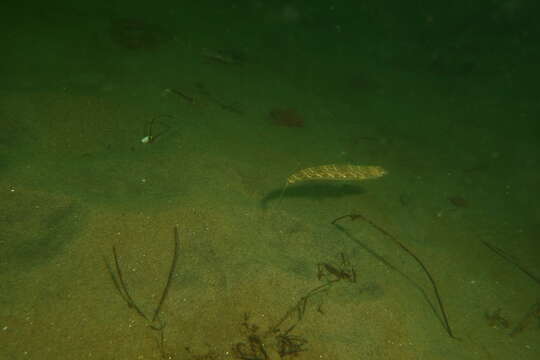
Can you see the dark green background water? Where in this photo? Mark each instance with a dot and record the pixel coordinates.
(443, 95)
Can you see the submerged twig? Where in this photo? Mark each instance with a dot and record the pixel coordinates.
(115, 280)
(190, 99)
(169, 277)
(512, 261)
(120, 284)
(534, 311)
(299, 309)
(446, 323)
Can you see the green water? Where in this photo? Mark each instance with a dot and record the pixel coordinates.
(234, 97)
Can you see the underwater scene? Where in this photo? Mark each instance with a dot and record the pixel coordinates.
(270, 180)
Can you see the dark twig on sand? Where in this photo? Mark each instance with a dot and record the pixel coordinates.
(169, 277)
(446, 323)
(120, 284)
(512, 261)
